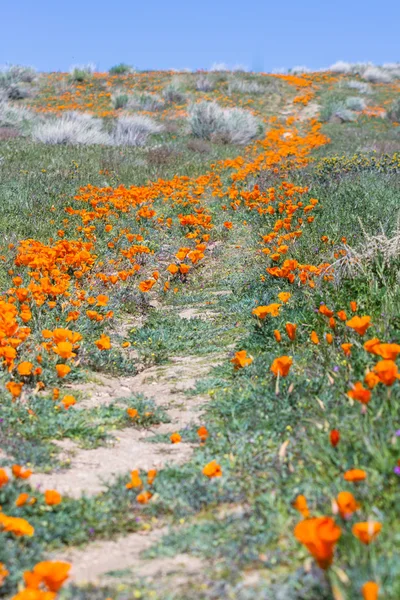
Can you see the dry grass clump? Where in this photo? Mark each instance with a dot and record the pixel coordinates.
(17, 117)
(242, 86)
(146, 101)
(119, 100)
(360, 86)
(209, 121)
(336, 110)
(134, 131)
(73, 128)
(121, 69)
(174, 92)
(377, 255)
(17, 74)
(394, 111)
(355, 103)
(205, 84)
(80, 73)
(377, 75)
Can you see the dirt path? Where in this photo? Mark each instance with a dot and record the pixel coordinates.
(91, 470)
(122, 559)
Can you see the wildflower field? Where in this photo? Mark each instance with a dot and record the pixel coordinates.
(199, 335)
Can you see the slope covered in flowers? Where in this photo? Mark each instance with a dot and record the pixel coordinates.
(294, 474)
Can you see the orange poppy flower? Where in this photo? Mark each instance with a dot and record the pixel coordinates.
(184, 268)
(52, 574)
(281, 365)
(175, 438)
(102, 300)
(52, 497)
(262, 311)
(370, 590)
(62, 370)
(3, 574)
(173, 269)
(324, 310)
(15, 525)
(3, 478)
(104, 343)
(25, 368)
(314, 338)
(291, 331)
(370, 345)
(22, 499)
(202, 433)
(359, 324)
(387, 351)
(19, 472)
(300, 504)
(346, 349)
(144, 497)
(347, 504)
(359, 393)
(387, 371)
(367, 531)
(284, 296)
(342, 315)
(241, 360)
(319, 535)
(64, 350)
(334, 437)
(371, 379)
(355, 475)
(212, 469)
(151, 475)
(353, 305)
(145, 286)
(135, 481)
(277, 335)
(329, 338)
(132, 413)
(68, 401)
(14, 388)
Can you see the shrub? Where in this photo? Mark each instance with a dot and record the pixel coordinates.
(16, 74)
(300, 69)
(377, 75)
(360, 86)
(394, 111)
(393, 68)
(72, 128)
(242, 86)
(340, 67)
(120, 101)
(209, 121)
(334, 109)
(15, 116)
(81, 73)
(355, 103)
(219, 67)
(121, 69)
(174, 93)
(204, 84)
(134, 131)
(146, 101)
(16, 92)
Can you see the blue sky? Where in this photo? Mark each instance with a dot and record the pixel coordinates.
(262, 35)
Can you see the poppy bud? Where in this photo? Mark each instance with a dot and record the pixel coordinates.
(334, 437)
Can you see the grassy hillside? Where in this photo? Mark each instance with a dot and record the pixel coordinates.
(199, 327)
